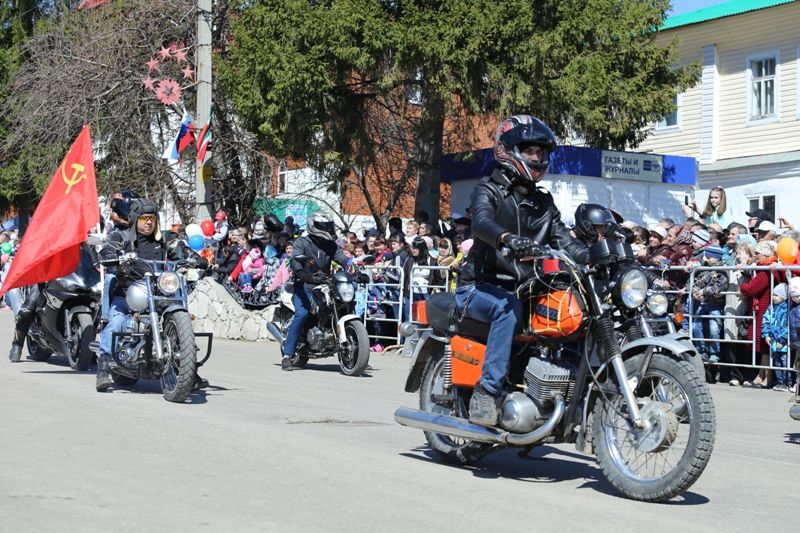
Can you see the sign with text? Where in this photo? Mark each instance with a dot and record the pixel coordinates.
(631, 166)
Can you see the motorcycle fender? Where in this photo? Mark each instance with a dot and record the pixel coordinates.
(340, 326)
(77, 310)
(422, 346)
(676, 343)
(172, 309)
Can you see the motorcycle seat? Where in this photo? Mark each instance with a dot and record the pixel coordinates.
(441, 310)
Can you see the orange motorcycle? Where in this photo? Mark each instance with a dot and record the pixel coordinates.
(585, 369)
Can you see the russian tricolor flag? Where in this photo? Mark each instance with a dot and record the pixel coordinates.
(183, 139)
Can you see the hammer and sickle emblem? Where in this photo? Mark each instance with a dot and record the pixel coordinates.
(76, 178)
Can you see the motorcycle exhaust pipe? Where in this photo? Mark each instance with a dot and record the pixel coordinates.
(458, 427)
(275, 331)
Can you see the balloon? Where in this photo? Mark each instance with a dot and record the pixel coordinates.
(6, 248)
(193, 229)
(208, 228)
(787, 250)
(196, 242)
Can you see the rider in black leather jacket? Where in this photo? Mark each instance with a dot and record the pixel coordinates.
(511, 215)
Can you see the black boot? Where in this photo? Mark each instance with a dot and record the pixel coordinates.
(483, 408)
(16, 352)
(104, 380)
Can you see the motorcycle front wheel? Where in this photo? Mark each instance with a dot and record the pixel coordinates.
(665, 458)
(83, 334)
(178, 376)
(354, 359)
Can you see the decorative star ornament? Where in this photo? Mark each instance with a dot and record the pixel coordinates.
(152, 64)
(179, 56)
(188, 73)
(164, 53)
(168, 91)
(149, 83)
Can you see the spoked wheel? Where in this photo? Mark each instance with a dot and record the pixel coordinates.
(665, 458)
(178, 376)
(355, 358)
(80, 355)
(434, 399)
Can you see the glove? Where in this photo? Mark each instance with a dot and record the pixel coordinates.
(318, 278)
(516, 245)
(304, 276)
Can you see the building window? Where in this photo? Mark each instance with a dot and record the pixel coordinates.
(763, 79)
(765, 202)
(671, 121)
(282, 178)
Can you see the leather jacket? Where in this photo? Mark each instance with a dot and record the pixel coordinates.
(499, 207)
(320, 254)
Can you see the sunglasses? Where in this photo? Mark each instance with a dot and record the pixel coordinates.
(147, 218)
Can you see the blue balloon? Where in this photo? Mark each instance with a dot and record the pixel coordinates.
(196, 242)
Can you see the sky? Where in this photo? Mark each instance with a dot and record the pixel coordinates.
(684, 6)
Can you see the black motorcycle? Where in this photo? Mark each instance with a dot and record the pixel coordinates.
(332, 328)
(68, 323)
(159, 341)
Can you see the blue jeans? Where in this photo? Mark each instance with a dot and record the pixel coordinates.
(784, 377)
(118, 321)
(706, 328)
(302, 304)
(108, 289)
(503, 311)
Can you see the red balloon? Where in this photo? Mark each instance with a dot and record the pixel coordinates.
(208, 228)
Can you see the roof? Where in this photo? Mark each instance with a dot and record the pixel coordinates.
(727, 9)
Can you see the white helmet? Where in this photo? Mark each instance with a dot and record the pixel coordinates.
(321, 225)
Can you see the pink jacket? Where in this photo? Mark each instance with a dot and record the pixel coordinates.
(282, 276)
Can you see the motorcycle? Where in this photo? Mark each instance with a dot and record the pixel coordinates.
(631, 399)
(332, 328)
(158, 342)
(67, 324)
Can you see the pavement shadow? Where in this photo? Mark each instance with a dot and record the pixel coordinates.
(146, 386)
(545, 464)
(333, 368)
(792, 438)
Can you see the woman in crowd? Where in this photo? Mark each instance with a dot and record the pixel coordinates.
(716, 210)
(446, 259)
(758, 289)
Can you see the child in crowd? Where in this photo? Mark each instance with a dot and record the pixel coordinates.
(774, 331)
(708, 302)
(794, 325)
(252, 269)
(271, 265)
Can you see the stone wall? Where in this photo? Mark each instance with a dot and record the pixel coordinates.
(217, 312)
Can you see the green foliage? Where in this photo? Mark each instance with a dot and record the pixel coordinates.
(298, 69)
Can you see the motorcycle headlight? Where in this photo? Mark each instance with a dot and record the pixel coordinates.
(657, 304)
(346, 291)
(632, 288)
(136, 296)
(169, 282)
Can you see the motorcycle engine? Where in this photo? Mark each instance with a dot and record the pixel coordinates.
(522, 413)
(318, 340)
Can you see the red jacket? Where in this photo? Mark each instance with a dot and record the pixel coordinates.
(760, 296)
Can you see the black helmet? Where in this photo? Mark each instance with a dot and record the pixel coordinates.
(273, 223)
(515, 134)
(321, 225)
(587, 216)
(121, 206)
(142, 206)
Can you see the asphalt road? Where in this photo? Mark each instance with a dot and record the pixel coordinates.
(313, 450)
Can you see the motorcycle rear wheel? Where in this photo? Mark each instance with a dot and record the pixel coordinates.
(355, 361)
(453, 450)
(663, 462)
(177, 378)
(83, 333)
(36, 351)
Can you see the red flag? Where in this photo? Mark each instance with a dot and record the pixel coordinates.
(51, 245)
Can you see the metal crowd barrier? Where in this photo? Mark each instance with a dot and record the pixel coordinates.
(725, 315)
(391, 294)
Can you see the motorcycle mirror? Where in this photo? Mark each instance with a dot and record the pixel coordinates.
(96, 239)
